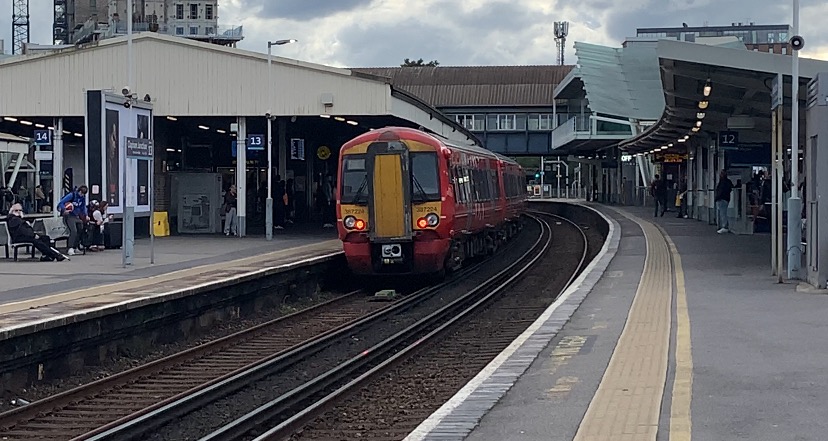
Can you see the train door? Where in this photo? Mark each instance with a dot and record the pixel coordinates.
(389, 213)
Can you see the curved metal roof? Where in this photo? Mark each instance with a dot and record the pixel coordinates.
(623, 82)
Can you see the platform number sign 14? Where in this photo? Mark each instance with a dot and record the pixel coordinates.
(43, 137)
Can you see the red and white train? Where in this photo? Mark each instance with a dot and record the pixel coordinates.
(410, 202)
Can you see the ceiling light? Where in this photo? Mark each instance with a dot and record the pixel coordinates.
(703, 104)
(700, 115)
(26, 123)
(669, 145)
(40, 126)
(694, 129)
(221, 131)
(686, 137)
(170, 150)
(203, 127)
(325, 116)
(681, 139)
(8, 118)
(51, 128)
(78, 135)
(67, 132)
(172, 118)
(698, 123)
(339, 118)
(707, 88)
(353, 123)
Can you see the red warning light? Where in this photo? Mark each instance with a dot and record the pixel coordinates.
(360, 224)
(422, 222)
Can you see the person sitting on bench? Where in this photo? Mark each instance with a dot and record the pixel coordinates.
(21, 232)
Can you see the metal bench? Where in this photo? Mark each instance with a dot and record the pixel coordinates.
(54, 227)
(6, 242)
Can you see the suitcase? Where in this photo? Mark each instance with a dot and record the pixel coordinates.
(113, 235)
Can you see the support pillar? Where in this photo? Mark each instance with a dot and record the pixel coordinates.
(241, 176)
(57, 165)
(283, 147)
(711, 184)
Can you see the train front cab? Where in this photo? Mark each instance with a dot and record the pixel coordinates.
(391, 212)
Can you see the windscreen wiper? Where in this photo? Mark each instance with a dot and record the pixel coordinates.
(422, 192)
(359, 191)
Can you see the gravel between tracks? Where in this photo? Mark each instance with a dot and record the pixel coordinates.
(391, 406)
(116, 365)
(221, 412)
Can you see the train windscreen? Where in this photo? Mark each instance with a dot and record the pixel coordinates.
(425, 181)
(354, 180)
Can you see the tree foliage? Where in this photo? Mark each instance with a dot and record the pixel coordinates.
(412, 63)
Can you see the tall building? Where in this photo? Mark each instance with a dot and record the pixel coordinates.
(82, 21)
(761, 38)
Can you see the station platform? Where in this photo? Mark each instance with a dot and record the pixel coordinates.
(38, 295)
(673, 332)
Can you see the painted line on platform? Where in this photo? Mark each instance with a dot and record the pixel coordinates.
(627, 404)
(681, 422)
(492, 383)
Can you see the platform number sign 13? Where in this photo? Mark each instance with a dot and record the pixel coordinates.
(255, 142)
(43, 137)
(728, 139)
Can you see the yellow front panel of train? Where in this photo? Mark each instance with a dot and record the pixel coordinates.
(389, 198)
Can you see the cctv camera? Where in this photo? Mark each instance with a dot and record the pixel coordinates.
(267, 115)
(797, 42)
(127, 104)
(125, 91)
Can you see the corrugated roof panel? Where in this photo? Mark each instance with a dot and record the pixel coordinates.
(459, 86)
(624, 82)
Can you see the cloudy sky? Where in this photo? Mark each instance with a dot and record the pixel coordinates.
(463, 32)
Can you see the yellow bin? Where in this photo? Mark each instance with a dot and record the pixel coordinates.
(160, 224)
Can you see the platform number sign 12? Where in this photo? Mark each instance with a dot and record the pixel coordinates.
(43, 137)
(255, 142)
(728, 139)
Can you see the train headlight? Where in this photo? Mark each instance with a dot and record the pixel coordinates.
(350, 222)
(432, 219)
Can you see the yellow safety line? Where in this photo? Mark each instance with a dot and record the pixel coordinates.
(627, 404)
(681, 423)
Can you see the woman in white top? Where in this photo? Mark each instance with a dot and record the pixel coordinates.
(98, 224)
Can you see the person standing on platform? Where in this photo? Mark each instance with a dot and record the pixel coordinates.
(658, 190)
(231, 221)
(723, 189)
(681, 199)
(327, 189)
(73, 208)
(279, 204)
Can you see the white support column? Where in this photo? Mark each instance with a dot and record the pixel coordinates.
(690, 197)
(795, 203)
(57, 165)
(711, 185)
(241, 177)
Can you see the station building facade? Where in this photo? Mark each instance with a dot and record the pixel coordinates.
(203, 91)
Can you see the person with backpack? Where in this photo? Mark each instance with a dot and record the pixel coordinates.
(73, 209)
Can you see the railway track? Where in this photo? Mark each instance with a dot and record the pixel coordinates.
(125, 405)
(394, 401)
(277, 418)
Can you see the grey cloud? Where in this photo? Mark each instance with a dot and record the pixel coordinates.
(303, 10)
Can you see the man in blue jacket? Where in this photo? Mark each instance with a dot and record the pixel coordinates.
(73, 209)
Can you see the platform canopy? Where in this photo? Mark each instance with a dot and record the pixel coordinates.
(740, 92)
(186, 78)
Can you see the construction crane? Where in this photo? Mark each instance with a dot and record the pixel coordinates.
(20, 25)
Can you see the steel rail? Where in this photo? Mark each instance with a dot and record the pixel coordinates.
(295, 405)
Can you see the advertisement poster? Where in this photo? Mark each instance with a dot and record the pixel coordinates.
(113, 158)
(143, 166)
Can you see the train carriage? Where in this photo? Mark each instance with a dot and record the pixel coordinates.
(412, 203)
